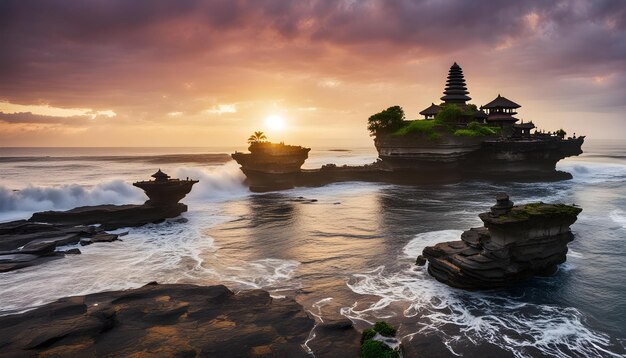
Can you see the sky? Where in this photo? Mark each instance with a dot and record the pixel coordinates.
(209, 73)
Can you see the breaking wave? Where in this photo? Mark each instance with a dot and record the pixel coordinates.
(524, 329)
(37, 198)
(216, 183)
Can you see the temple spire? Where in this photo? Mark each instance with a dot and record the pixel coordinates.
(456, 90)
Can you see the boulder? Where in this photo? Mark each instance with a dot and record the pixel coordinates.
(515, 244)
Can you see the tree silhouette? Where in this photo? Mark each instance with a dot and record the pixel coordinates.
(257, 137)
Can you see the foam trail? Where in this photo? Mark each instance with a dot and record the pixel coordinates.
(524, 329)
(619, 217)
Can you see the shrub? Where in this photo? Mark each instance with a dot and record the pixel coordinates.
(368, 333)
(385, 329)
(450, 113)
(389, 120)
(374, 349)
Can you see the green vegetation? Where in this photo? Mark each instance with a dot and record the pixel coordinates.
(525, 212)
(425, 127)
(371, 348)
(375, 349)
(475, 129)
(450, 113)
(257, 137)
(389, 120)
(385, 329)
(561, 133)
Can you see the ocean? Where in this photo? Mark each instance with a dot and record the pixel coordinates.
(349, 254)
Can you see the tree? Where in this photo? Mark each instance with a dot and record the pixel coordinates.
(389, 120)
(450, 113)
(561, 133)
(257, 137)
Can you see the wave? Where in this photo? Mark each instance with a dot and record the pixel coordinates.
(521, 328)
(211, 158)
(37, 198)
(216, 184)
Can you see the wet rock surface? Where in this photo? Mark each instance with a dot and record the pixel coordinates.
(171, 320)
(111, 217)
(516, 243)
(24, 244)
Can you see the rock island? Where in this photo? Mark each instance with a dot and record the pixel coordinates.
(454, 141)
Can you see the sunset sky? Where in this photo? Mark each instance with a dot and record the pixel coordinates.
(208, 73)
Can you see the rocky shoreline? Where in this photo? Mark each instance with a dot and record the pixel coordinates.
(33, 242)
(174, 320)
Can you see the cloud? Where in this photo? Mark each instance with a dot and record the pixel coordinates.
(147, 60)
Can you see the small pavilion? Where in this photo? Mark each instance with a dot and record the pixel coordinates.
(500, 111)
(430, 112)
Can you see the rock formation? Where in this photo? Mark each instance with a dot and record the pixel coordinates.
(170, 320)
(24, 244)
(516, 243)
(271, 166)
(163, 193)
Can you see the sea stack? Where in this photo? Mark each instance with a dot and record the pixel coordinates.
(163, 194)
(515, 244)
(164, 191)
(271, 166)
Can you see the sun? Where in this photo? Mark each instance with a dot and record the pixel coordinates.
(275, 123)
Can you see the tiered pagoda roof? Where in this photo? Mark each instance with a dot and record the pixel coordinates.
(501, 102)
(456, 90)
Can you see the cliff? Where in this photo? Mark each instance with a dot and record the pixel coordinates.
(516, 243)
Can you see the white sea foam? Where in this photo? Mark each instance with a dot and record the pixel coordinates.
(524, 329)
(215, 183)
(35, 198)
(619, 217)
(171, 252)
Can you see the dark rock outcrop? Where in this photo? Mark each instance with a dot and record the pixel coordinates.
(516, 243)
(111, 217)
(162, 320)
(271, 166)
(24, 244)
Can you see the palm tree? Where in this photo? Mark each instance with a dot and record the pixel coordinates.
(257, 137)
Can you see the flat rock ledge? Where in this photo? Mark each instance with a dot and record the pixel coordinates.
(515, 244)
(111, 217)
(28, 243)
(174, 320)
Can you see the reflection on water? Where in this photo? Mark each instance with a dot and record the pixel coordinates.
(349, 248)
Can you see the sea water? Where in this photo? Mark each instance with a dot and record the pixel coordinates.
(349, 254)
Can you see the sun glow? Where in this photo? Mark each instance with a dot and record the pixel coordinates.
(275, 123)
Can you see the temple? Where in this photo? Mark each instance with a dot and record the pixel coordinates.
(454, 141)
(163, 191)
(456, 90)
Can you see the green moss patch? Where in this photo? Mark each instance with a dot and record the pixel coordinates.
(429, 128)
(527, 211)
(371, 348)
(475, 129)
